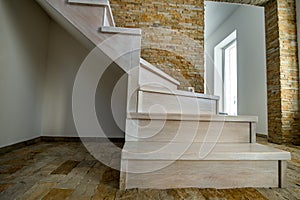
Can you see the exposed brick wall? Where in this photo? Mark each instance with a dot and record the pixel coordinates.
(282, 71)
(273, 72)
(173, 35)
(289, 69)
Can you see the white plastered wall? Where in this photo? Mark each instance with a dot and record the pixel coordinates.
(248, 21)
(38, 63)
(23, 48)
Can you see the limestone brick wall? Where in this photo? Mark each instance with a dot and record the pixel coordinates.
(282, 71)
(173, 35)
(273, 71)
(289, 77)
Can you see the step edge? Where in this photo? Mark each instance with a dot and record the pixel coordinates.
(90, 2)
(216, 156)
(192, 117)
(253, 158)
(153, 89)
(120, 30)
(260, 154)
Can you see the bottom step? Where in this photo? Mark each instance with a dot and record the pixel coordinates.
(233, 171)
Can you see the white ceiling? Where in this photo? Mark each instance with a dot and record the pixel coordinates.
(215, 14)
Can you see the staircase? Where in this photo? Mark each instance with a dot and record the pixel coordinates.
(174, 138)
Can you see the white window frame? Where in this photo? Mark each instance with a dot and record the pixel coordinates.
(219, 67)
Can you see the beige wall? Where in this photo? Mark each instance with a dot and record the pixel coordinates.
(23, 50)
(65, 55)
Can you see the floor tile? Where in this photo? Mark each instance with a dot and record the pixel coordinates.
(66, 167)
(55, 194)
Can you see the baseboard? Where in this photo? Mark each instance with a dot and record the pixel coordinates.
(59, 139)
(19, 145)
(79, 139)
(261, 135)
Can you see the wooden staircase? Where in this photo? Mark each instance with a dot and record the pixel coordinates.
(173, 138)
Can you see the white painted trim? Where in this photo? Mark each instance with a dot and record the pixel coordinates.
(218, 65)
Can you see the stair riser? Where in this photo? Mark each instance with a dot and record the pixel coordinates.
(186, 131)
(202, 174)
(160, 103)
(147, 77)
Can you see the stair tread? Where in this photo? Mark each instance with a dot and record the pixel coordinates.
(163, 90)
(90, 2)
(218, 151)
(112, 29)
(192, 117)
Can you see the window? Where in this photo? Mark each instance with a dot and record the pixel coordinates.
(225, 74)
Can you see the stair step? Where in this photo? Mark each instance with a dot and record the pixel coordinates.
(189, 131)
(157, 127)
(120, 30)
(162, 90)
(204, 174)
(198, 151)
(163, 166)
(90, 2)
(159, 99)
(192, 117)
(150, 74)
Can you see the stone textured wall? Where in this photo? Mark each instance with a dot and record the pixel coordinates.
(289, 69)
(273, 71)
(173, 35)
(282, 71)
